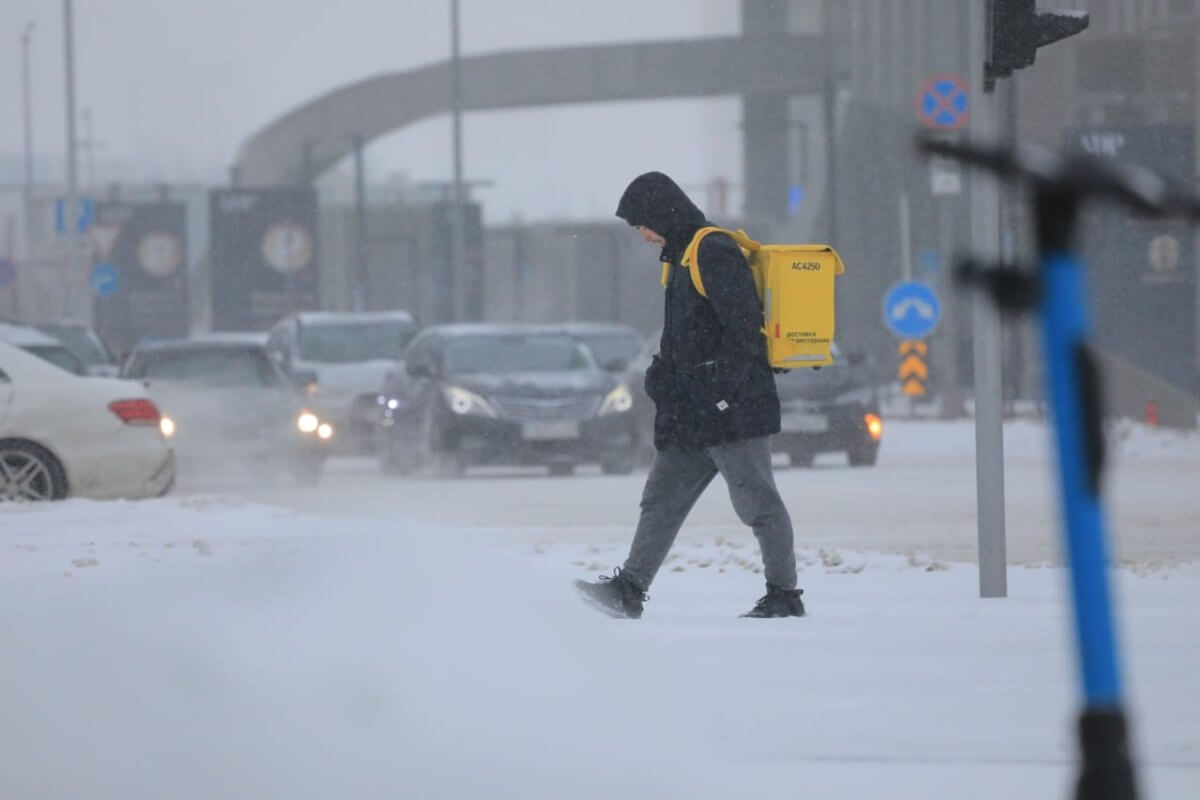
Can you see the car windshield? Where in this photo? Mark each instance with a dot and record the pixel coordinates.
(81, 341)
(211, 367)
(515, 353)
(59, 356)
(341, 342)
(609, 348)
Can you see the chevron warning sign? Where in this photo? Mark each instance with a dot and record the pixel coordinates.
(914, 367)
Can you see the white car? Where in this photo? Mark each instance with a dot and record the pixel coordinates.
(42, 345)
(63, 435)
(347, 357)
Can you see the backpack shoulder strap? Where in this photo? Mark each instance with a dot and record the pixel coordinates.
(692, 251)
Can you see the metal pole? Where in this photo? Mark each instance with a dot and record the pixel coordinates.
(360, 227)
(27, 104)
(71, 212)
(457, 221)
(989, 431)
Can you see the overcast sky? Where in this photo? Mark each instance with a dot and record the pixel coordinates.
(174, 86)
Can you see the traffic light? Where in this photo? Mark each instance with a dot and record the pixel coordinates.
(1016, 29)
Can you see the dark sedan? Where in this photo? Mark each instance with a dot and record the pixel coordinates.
(504, 394)
(832, 409)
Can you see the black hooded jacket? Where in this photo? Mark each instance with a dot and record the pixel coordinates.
(710, 382)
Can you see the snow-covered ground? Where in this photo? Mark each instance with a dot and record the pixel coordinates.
(419, 638)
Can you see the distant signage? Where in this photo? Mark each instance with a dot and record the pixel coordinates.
(105, 279)
(911, 310)
(140, 279)
(1142, 272)
(944, 103)
(264, 255)
(914, 367)
(83, 215)
(8, 272)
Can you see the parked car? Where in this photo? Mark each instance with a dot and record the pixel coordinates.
(504, 394)
(44, 346)
(228, 405)
(85, 343)
(613, 345)
(831, 409)
(348, 356)
(63, 435)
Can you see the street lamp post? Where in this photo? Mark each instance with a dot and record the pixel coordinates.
(71, 213)
(27, 106)
(457, 211)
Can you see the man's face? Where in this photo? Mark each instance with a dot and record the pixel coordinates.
(650, 237)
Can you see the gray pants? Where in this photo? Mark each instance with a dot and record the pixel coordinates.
(680, 476)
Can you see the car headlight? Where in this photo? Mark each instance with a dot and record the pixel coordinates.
(325, 431)
(307, 422)
(167, 426)
(463, 402)
(874, 426)
(618, 400)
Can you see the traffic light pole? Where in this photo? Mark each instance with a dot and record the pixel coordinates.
(987, 339)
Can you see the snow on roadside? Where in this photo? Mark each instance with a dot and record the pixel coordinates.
(306, 655)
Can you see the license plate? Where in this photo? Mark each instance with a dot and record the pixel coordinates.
(550, 430)
(804, 423)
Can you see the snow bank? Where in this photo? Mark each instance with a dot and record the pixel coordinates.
(217, 648)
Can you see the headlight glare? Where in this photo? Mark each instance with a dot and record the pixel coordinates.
(325, 430)
(618, 401)
(307, 422)
(463, 402)
(874, 426)
(167, 426)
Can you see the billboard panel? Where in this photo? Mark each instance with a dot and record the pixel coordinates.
(139, 271)
(264, 255)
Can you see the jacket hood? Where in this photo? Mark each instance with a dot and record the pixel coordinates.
(657, 202)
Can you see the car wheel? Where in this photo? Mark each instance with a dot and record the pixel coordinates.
(29, 473)
(562, 470)
(801, 457)
(392, 461)
(432, 457)
(863, 455)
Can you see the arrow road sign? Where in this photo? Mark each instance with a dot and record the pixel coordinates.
(84, 210)
(911, 310)
(105, 280)
(914, 371)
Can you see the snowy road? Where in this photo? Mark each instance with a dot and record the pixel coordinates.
(919, 499)
(418, 638)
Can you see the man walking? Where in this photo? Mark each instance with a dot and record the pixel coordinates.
(715, 405)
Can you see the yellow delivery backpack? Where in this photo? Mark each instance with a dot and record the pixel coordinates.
(795, 285)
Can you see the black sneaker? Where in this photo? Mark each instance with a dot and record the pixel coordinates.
(778, 603)
(615, 595)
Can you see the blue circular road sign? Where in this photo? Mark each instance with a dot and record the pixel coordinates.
(911, 310)
(105, 280)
